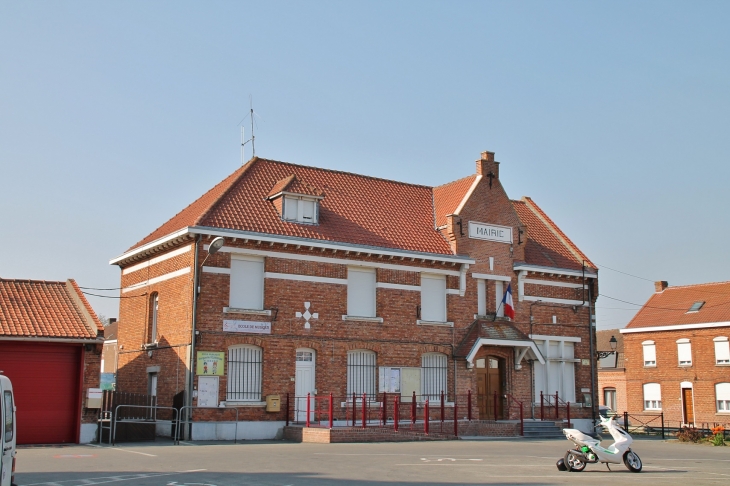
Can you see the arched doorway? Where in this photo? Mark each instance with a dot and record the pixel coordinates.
(490, 379)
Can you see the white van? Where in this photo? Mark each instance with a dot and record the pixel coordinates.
(7, 432)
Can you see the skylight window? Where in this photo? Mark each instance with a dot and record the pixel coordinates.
(696, 306)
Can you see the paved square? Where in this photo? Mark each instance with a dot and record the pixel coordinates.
(283, 463)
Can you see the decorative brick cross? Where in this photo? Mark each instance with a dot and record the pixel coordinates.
(307, 315)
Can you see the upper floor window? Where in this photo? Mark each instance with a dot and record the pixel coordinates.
(247, 283)
(684, 351)
(649, 353)
(652, 396)
(433, 297)
(244, 373)
(722, 396)
(722, 350)
(361, 292)
(301, 209)
(154, 307)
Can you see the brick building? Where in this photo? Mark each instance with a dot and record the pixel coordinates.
(611, 371)
(50, 348)
(332, 282)
(677, 354)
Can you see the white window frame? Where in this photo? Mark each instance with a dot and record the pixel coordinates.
(239, 289)
(651, 347)
(434, 376)
(244, 373)
(562, 367)
(433, 307)
(684, 350)
(361, 292)
(652, 395)
(722, 350)
(362, 373)
(298, 202)
(155, 304)
(722, 397)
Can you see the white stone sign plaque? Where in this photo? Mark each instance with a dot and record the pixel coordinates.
(490, 232)
(254, 327)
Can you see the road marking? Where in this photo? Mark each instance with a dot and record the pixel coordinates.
(448, 459)
(112, 479)
(112, 448)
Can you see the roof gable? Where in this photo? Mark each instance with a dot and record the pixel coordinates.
(39, 308)
(670, 307)
(448, 197)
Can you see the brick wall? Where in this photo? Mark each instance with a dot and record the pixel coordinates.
(703, 374)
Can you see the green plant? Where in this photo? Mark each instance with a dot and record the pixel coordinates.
(718, 436)
(690, 434)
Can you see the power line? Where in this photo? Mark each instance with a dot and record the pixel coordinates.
(619, 271)
(662, 308)
(117, 297)
(95, 288)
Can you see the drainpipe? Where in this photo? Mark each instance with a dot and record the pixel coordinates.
(462, 279)
(191, 372)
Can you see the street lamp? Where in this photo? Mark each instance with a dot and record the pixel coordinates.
(606, 354)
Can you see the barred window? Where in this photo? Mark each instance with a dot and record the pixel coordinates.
(433, 375)
(244, 374)
(361, 372)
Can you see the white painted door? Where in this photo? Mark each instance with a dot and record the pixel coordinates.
(304, 383)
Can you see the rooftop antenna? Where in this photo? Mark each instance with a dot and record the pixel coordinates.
(253, 137)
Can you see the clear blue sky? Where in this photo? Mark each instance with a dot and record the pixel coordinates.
(613, 116)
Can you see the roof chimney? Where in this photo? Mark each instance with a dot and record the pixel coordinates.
(660, 285)
(486, 165)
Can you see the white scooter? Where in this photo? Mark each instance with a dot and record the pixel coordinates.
(589, 451)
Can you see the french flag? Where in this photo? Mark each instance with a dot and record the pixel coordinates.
(509, 306)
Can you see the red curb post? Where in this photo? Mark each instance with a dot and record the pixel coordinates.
(468, 404)
(364, 410)
(426, 418)
(330, 411)
(396, 413)
(308, 408)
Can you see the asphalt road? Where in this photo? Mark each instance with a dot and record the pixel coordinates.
(283, 463)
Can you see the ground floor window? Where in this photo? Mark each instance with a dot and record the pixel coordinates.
(361, 371)
(652, 396)
(558, 372)
(244, 373)
(433, 375)
(609, 398)
(722, 394)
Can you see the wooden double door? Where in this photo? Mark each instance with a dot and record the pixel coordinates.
(490, 379)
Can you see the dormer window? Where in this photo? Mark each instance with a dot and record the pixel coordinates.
(300, 209)
(296, 201)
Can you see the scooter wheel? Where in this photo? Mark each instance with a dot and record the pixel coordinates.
(573, 462)
(632, 461)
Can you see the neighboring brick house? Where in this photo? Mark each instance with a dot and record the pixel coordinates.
(50, 347)
(332, 282)
(677, 354)
(611, 371)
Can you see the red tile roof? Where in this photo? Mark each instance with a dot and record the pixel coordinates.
(356, 209)
(38, 308)
(446, 198)
(295, 186)
(669, 308)
(546, 244)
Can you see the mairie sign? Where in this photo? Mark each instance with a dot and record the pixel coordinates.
(491, 232)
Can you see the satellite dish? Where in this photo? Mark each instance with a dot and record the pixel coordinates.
(216, 245)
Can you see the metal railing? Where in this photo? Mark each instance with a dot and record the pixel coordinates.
(148, 416)
(191, 420)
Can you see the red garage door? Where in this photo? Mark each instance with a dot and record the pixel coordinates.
(46, 383)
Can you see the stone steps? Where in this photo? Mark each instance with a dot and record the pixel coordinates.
(543, 430)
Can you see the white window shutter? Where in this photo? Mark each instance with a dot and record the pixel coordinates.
(684, 350)
(722, 350)
(722, 391)
(360, 292)
(649, 353)
(290, 208)
(433, 298)
(652, 391)
(498, 296)
(307, 210)
(481, 297)
(247, 284)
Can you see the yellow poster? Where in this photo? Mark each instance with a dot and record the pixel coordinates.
(210, 363)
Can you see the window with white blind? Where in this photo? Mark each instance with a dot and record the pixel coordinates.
(722, 395)
(247, 283)
(558, 372)
(361, 372)
(722, 350)
(433, 298)
(684, 352)
(361, 292)
(652, 396)
(154, 307)
(433, 375)
(649, 353)
(244, 373)
(301, 210)
(498, 296)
